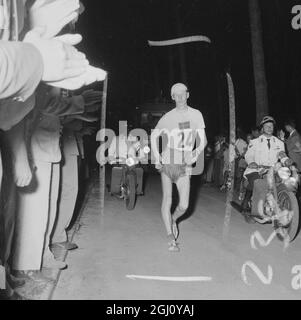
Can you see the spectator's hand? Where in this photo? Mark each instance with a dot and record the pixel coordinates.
(253, 165)
(281, 134)
(102, 162)
(52, 15)
(93, 107)
(91, 75)
(22, 173)
(158, 166)
(86, 117)
(88, 131)
(91, 97)
(61, 60)
(190, 158)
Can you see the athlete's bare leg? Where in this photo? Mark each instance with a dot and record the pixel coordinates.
(183, 185)
(166, 203)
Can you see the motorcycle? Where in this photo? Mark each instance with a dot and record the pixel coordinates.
(126, 188)
(275, 201)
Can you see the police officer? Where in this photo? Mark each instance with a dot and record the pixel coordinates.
(262, 151)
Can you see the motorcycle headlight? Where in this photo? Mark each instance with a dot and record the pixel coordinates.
(130, 162)
(284, 173)
(146, 149)
(291, 183)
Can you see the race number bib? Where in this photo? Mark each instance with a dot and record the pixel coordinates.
(182, 138)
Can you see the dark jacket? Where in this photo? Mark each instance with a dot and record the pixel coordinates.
(293, 145)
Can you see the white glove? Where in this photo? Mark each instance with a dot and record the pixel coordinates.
(60, 59)
(53, 15)
(91, 75)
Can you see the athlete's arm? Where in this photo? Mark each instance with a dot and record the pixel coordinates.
(154, 145)
(201, 139)
(201, 136)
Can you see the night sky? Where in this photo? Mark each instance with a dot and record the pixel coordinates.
(115, 38)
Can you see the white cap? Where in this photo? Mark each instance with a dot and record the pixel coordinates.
(178, 87)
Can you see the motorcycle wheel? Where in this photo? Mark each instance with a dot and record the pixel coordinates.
(287, 200)
(130, 200)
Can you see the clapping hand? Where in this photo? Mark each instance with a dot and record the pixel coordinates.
(90, 75)
(281, 134)
(22, 173)
(61, 59)
(88, 131)
(92, 100)
(86, 117)
(53, 15)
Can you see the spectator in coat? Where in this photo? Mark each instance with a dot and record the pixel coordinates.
(293, 142)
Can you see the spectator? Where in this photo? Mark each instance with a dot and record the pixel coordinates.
(249, 138)
(293, 142)
(69, 173)
(256, 131)
(240, 163)
(209, 164)
(23, 66)
(225, 165)
(218, 160)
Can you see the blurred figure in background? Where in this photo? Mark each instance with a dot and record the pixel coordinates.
(209, 164)
(256, 131)
(240, 163)
(225, 165)
(52, 60)
(292, 142)
(70, 170)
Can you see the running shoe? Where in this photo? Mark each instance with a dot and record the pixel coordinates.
(173, 246)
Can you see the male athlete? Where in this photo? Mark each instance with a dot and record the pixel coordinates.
(183, 127)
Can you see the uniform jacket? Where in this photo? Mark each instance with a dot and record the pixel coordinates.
(293, 145)
(21, 70)
(69, 139)
(45, 124)
(259, 152)
(21, 65)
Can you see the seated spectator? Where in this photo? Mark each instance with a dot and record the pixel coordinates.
(240, 163)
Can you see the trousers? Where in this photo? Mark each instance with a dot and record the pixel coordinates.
(7, 208)
(37, 207)
(67, 198)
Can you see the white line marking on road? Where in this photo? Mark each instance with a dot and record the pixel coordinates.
(163, 278)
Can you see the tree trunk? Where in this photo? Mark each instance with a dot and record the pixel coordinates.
(232, 139)
(258, 60)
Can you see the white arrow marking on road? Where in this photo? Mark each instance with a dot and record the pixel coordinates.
(162, 278)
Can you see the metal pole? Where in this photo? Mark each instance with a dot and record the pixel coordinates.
(102, 169)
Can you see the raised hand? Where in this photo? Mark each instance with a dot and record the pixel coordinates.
(22, 173)
(53, 15)
(86, 117)
(281, 134)
(88, 131)
(91, 97)
(61, 60)
(91, 75)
